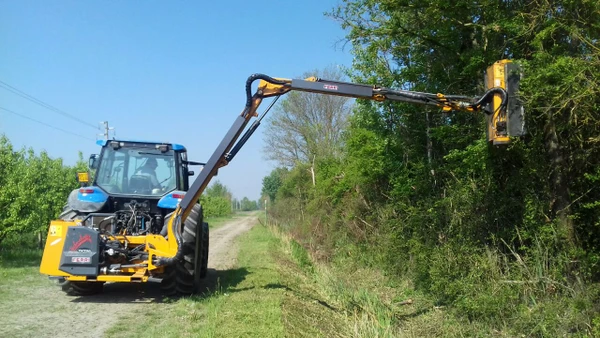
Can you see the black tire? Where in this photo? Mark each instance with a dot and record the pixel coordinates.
(204, 267)
(68, 214)
(182, 278)
(81, 288)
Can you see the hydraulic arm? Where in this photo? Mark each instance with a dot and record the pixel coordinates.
(499, 103)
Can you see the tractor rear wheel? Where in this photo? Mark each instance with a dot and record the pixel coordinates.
(204, 266)
(182, 278)
(68, 214)
(81, 288)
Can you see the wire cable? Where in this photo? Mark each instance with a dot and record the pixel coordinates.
(43, 104)
(46, 124)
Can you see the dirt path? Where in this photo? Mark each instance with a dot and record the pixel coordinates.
(46, 311)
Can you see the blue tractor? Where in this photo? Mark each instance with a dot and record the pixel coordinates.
(136, 186)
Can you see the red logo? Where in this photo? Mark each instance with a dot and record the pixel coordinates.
(331, 87)
(82, 240)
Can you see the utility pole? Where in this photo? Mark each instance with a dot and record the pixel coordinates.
(107, 129)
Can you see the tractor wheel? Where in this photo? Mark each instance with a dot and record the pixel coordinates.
(204, 267)
(68, 214)
(181, 278)
(81, 288)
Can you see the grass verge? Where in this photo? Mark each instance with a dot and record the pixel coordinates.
(19, 279)
(243, 302)
(367, 303)
(353, 301)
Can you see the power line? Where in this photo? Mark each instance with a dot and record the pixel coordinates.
(46, 124)
(42, 103)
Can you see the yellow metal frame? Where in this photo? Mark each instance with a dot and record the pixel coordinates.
(496, 77)
(268, 89)
(156, 245)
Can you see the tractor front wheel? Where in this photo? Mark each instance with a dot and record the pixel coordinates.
(182, 278)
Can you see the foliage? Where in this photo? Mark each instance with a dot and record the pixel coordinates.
(216, 200)
(215, 206)
(491, 232)
(218, 189)
(248, 205)
(33, 189)
(272, 182)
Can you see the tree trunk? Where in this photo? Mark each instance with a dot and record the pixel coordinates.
(312, 170)
(429, 146)
(561, 199)
(40, 240)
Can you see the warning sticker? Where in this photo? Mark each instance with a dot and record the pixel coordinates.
(56, 230)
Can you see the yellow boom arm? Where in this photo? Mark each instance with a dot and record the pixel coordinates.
(498, 102)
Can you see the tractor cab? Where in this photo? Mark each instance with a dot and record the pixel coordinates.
(140, 168)
(128, 175)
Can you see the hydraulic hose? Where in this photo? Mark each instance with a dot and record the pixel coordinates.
(488, 94)
(253, 78)
(165, 261)
(410, 95)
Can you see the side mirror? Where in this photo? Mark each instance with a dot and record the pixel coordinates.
(93, 161)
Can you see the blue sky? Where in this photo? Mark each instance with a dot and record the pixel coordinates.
(161, 70)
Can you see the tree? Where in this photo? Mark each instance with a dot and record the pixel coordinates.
(272, 183)
(307, 125)
(33, 189)
(248, 205)
(425, 191)
(216, 200)
(435, 46)
(217, 189)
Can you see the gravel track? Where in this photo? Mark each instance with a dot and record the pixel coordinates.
(44, 310)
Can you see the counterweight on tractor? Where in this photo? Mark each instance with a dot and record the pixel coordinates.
(129, 225)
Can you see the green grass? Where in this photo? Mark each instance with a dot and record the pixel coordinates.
(20, 283)
(18, 267)
(244, 302)
(364, 302)
(353, 301)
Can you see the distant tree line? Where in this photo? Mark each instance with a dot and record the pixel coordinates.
(218, 201)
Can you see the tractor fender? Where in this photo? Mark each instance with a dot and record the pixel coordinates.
(87, 199)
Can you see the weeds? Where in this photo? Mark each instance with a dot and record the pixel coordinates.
(473, 293)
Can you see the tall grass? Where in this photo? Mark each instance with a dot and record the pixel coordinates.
(473, 293)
